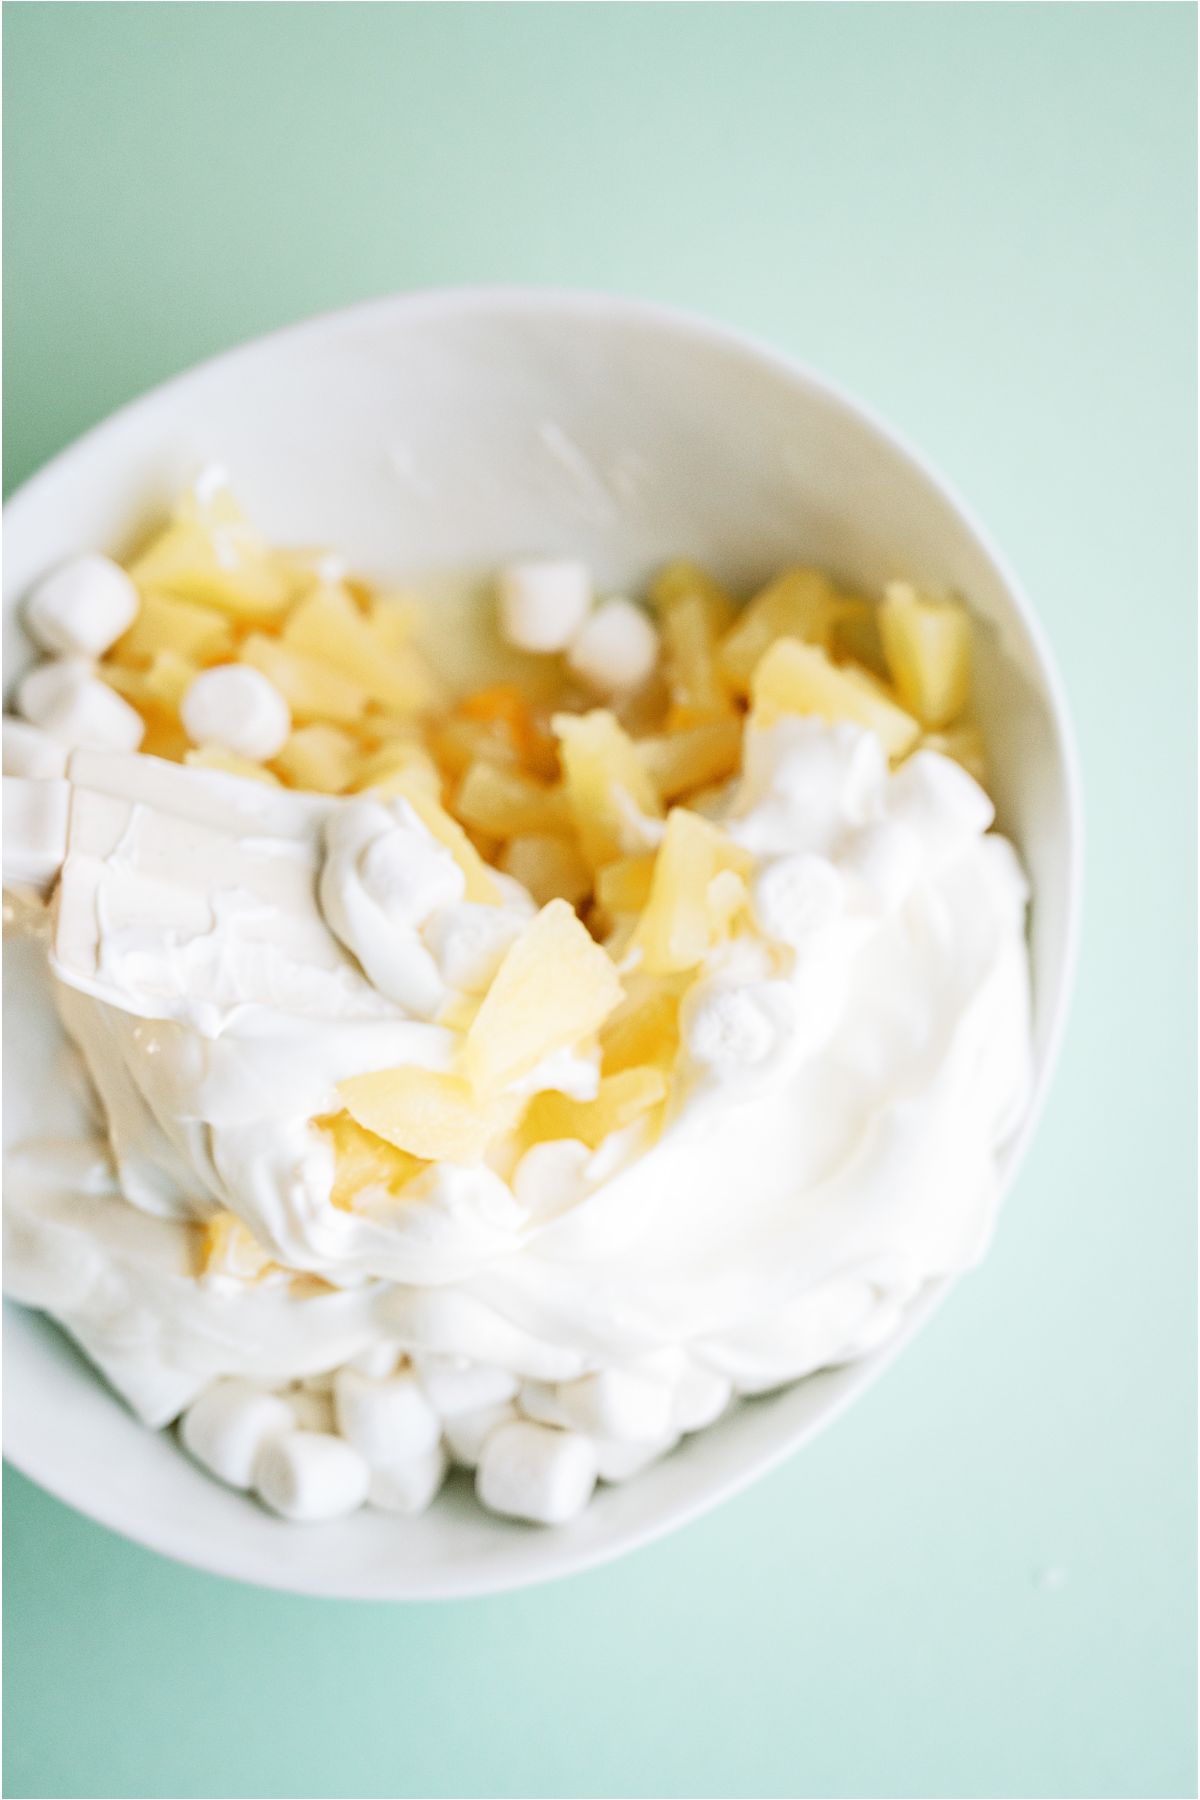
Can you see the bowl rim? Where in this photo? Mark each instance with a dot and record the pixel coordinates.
(487, 299)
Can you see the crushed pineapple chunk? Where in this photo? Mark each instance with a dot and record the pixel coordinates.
(158, 687)
(697, 689)
(680, 762)
(799, 678)
(624, 886)
(800, 603)
(228, 762)
(963, 744)
(210, 554)
(362, 1159)
(504, 710)
(549, 866)
(408, 762)
(645, 1027)
(328, 626)
(683, 918)
(504, 803)
(320, 758)
(228, 1248)
(555, 986)
(456, 743)
(165, 622)
(622, 1099)
(927, 643)
(435, 1118)
(684, 580)
(604, 777)
(314, 691)
(395, 618)
(412, 785)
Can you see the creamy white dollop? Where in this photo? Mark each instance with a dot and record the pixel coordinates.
(850, 1066)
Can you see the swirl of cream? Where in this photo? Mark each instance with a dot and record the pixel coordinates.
(383, 877)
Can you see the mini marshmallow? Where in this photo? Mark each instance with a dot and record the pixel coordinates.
(616, 1462)
(32, 752)
(550, 1176)
(75, 706)
(456, 1385)
(377, 1361)
(539, 1400)
(543, 603)
(700, 1398)
(618, 1404)
(312, 1409)
(796, 896)
(35, 831)
(408, 1487)
(83, 607)
(533, 1472)
(468, 1432)
(616, 649)
(228, 1425)
(468, 942)
(886, 859)
(237, 707)
(729, 1028)
(388, 1421)
(311, 1475)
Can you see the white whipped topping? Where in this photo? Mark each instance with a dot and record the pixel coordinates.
(850, 1066)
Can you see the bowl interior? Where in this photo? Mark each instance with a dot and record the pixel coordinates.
(450, 432)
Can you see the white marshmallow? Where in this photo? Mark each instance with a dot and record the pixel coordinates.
(35, 831)
(700, 1398)
(75, 706)
(616, 649)
(729, 1028)
(388, 1421)
(237, 707)
(409, 1487)
(543, 603)
(377, 1361)
(886, 858)
(312, 1409)
(539, 1400)
(550, 1177)
(617, 1462)
(311, 1475)
(32, 752)
(618, 1404)
(455, 1385)
(797, 896)
(468, 1432)
(532, 1472)
(228, 1425)
(82, 607)
(468, 942)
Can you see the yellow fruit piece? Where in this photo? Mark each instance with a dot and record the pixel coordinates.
(412, 785)
(685, 580)
(683, 919)
(209, 553)
(504, 803)
(549, 866)
(856, 637)
(964, 744)
(228, 1248)
(727, 897)
(554, 987)
(680, 762)
(456, 743)
(394, 766)
(168, 679)
(689, 634)
(645, 1027)
(506, 713)
(164, 737)
(927, 644)
(436, 1118)
(319, 758)
(395, 618)
(165, 622)
(313, 690)
(800, 603)
(605, 780)
(624, 886)
(227, 762)
(799, 678)
(363, 1159)
(621, 1100)
(328, 626)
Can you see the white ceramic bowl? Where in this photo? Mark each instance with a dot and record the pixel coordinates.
(456, 429)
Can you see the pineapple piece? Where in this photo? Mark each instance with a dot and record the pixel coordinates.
(457, 743)
(228, 1248)
(645, 1027)
(856, 637)
(314, 691)
(963, 744)
(728, 896)
(680, 762)
(228, 762)
(411, 762)
(694, 680)
(622, 1099)
(412, 785)
(327, 626)
(508, 715)
(624, 886)
(683, 918)
(434, 1118)
(168, 679)
(800, 603)
(362, 1159)
(927, 644)
(208, 553)
(164, 622)
(686, 580)
(395, 618)
(604, 777)
(555, 986)
(799, 678)
(320, 758)
(504, 803)
(549, 866)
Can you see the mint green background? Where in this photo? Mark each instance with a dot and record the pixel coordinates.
(981, 219)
